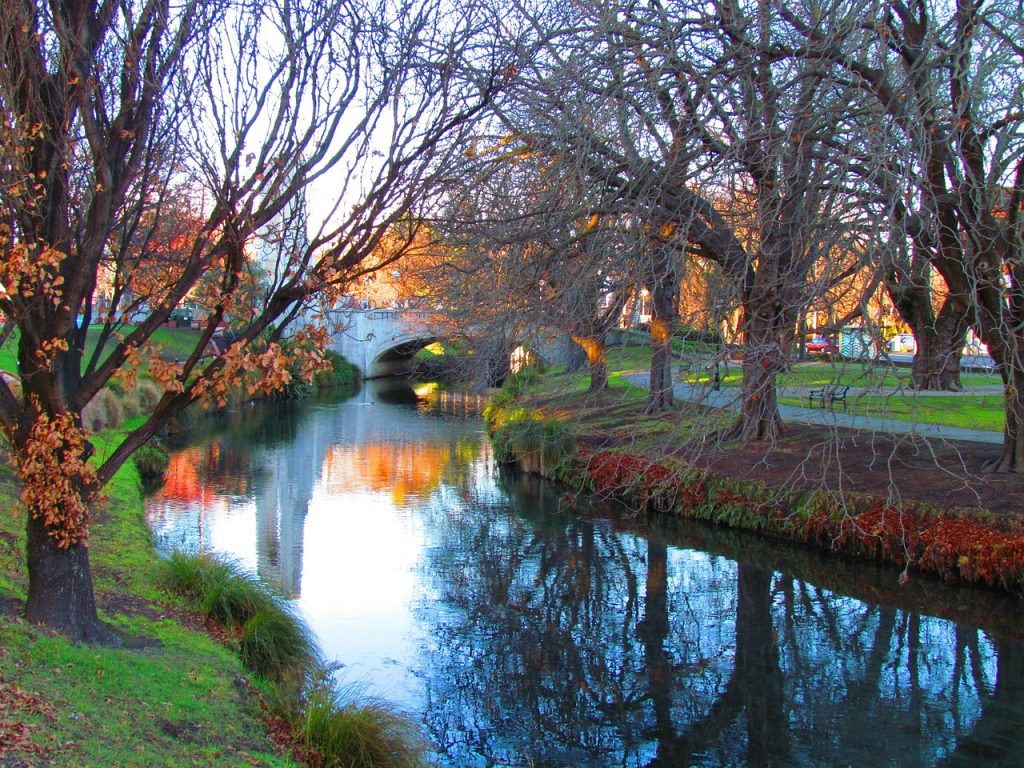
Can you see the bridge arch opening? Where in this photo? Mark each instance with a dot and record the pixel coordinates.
(398, 359)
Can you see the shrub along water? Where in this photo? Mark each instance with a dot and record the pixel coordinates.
(152, 462)
(346, 729)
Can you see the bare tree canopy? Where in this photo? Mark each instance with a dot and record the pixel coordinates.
(121, 116)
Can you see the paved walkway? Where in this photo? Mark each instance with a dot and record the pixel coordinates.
(727, 398)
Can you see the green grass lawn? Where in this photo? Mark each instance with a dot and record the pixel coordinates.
(172, 343)
(9, 354)
(842, 373)
(984, 412)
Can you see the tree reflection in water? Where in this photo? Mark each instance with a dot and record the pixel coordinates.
(559, 640)
(563, 639)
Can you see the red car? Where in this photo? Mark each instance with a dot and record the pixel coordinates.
(819, 345)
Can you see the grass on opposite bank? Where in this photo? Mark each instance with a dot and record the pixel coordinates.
(823, 373)
(171, 697)
(618, 411)
(964, 410)
(172, 342)
(981, 412)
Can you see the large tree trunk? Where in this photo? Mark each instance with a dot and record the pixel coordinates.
(1011, 458)
(58, 485)
(764, 357)
(940, 342)
(60, 592)
(663, 317)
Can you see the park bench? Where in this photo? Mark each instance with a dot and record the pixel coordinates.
(830, 395)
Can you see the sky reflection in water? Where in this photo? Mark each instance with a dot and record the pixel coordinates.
(521, 633)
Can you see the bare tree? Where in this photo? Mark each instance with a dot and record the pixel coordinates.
(716, 140)
(950, 97)
(361, 103)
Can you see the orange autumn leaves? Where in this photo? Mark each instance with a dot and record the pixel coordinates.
(57, 479)
(27, 270)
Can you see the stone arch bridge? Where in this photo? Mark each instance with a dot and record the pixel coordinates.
(382, 342)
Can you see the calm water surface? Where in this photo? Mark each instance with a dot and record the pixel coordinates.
(522, 633)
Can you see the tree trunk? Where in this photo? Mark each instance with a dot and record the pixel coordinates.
(663, 317)
(577, 357)
(940, 342)
(1011, 459)
(659, 396)
(53, 457)
(60, 592)
(763, 358)
(940, 337)
(597, 360)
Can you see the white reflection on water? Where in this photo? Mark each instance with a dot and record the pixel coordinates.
(358, 581)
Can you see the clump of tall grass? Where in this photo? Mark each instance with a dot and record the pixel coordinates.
(346, 729)
(340, 726)
(275, 643)
(113, 404)
(147, 394)
(220, 589)
(152, 461)
(272, 640)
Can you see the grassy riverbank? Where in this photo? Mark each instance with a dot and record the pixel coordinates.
(172, 696)
(200, 679)
(922, 507)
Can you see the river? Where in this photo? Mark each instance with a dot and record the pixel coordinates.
(523, 627)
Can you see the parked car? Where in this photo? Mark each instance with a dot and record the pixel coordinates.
(819, 345)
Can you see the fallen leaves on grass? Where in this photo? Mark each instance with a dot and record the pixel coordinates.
(17, 737)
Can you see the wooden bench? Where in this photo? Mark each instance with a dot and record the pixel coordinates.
(830, 395)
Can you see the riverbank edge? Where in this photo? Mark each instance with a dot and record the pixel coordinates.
(171, 695)
(969, 547)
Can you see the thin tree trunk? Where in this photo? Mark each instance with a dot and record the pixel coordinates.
(577, 357)
(663, 316)
(597, 360)
(759, 413)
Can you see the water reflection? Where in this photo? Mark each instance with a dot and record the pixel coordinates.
(527, 634)
(567, 642)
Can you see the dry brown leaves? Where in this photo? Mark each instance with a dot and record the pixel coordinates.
(26, 741)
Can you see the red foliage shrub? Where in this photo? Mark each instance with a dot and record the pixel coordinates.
(950, 547)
